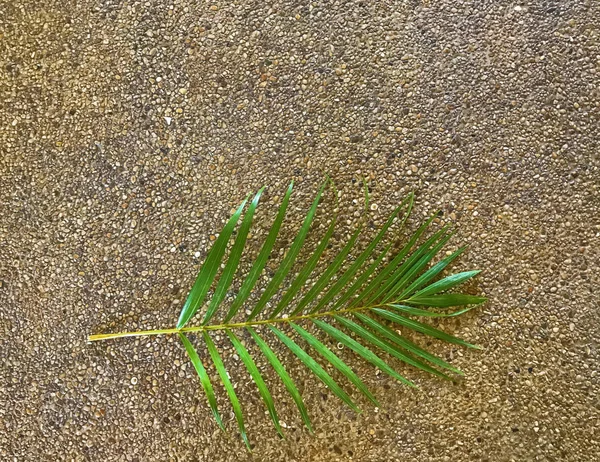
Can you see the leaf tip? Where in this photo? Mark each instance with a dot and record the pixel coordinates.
(217, 418)
(246, 441)
(412, 385)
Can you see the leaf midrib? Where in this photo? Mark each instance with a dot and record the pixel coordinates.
(238, 325)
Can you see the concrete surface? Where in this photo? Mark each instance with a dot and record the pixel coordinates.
(129, 130)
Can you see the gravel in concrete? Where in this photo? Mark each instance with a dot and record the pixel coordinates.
(129, 130)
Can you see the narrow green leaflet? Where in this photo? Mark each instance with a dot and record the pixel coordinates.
(430, 274)
(322, 282)
(445, 300)
(389, 283)
(411, 311)
(447, 283)
(233, 261)
(408, 346)
(335, 361)
(382, 344)
(315, 368)
(362, 279)
(361, 350)
(353, 269)
(288, 260)
(367, 294)
(255, 374)
(209, 270)
(204, 379)
(423, 328)
(282, 373)
(306, 270)
(235, 403)
(416, 268)
(261, 260)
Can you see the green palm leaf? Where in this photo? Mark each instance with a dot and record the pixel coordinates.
(232, 262)
(314, 367)
(335, 361)
(406, 347)
(366, 296)
(204, 379)
(235, 403)
(261, 260)
(361, 350)
(287, 262)
(406, 344)
(255, 374)
(208, 270)
(285, 378)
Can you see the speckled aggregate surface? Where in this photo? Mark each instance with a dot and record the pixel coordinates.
(129, 130)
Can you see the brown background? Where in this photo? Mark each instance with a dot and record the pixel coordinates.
(129, 130)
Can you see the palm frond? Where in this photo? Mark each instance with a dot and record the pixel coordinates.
(356, 302)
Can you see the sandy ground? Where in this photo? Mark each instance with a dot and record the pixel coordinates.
(129, 130)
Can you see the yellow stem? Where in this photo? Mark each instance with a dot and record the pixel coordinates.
(239, 325)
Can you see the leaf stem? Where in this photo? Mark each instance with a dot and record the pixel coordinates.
(238, 325)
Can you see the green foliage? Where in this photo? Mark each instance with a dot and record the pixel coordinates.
(357, 302)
